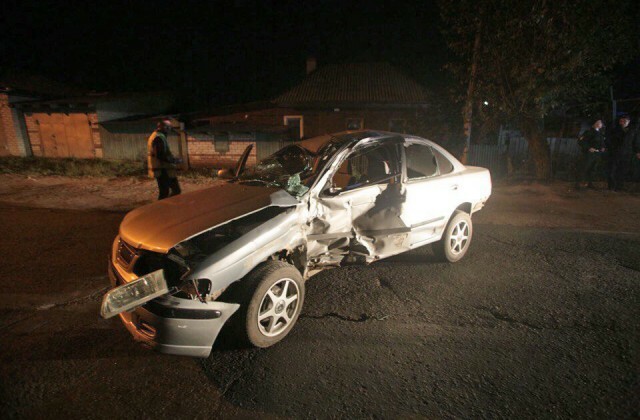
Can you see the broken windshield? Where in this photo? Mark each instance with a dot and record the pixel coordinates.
(288, 168)
(294, 168)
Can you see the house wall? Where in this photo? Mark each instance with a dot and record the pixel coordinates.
(202, 151)
(318, 122)
(203, 154)
(11, 140)
(33, 132)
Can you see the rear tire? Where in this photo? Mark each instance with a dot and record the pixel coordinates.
(271, 298)
(455, 239)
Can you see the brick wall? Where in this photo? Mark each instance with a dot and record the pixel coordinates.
(10, 142)
(95, 134)
(202, 153)
(322, 121)
(33, 132)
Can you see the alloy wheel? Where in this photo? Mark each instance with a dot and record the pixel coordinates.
(459, 237)
(278, 307)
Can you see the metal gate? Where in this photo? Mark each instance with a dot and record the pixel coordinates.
(269, 143)
(128, 140)
(65, 135)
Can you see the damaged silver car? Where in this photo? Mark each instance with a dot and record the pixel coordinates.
(239, 253)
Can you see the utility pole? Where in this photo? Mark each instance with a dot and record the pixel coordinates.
(614, 107)
(467, 113)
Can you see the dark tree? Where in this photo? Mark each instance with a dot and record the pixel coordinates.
(534, 56)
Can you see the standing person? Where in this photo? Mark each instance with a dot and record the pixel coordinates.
(620, 143)
(161, 163)
(591, 146)
(635, 160)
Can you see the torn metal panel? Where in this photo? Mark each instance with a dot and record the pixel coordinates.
(366, 223)
(381, 229)
(237, 258)
(364, 203)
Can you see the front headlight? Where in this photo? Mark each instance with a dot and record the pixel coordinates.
(133, 294)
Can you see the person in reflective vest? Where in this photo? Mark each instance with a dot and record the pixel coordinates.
(161, 163)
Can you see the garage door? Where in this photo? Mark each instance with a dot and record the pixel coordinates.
(65, 135)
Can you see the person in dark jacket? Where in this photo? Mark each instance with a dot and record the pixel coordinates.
(635, 159)
(591, 144)
(622, 144)
(161, 163)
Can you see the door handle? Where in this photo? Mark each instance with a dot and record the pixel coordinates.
(454, 187)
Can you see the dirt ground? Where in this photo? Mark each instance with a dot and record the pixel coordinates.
(555, 205)
(115, 194)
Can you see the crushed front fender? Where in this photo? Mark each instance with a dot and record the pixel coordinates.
(178, 326)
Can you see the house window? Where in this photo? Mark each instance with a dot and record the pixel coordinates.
(355, 123)
(398, 125)
(295, 124)
(221, 142)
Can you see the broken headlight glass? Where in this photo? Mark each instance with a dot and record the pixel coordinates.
(133, 294)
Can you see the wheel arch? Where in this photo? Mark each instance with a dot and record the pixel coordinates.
(297, 257)
(465, 207)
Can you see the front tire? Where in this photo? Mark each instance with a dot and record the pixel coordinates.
(455, 239)
(273, 298)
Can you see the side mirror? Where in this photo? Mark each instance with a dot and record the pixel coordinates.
(225, 174)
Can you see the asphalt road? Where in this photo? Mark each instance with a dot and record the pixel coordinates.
(532, 323)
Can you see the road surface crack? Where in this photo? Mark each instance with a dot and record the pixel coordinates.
(387, 285)
(362, 318)
(500, 316)
(80, 299)
(629, 266)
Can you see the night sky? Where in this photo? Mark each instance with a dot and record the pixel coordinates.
(215, 52)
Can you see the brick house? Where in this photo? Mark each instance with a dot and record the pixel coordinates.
(330, 99)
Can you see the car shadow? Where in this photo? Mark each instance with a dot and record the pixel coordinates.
(420, 255)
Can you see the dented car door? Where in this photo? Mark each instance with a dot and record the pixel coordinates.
(357, 214)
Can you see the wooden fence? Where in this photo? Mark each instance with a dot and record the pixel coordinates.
(513, 158)
(128, 141)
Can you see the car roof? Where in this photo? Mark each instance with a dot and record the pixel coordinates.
(314, 144)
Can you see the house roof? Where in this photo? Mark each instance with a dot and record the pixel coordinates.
(19, 82)
(355, 83)
(92, 98)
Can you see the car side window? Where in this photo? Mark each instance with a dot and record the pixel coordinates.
(372, 165)
(444, 165)
(421, 162)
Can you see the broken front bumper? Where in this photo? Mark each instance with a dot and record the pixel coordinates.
(176, 326)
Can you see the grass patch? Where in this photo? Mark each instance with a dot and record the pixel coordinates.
(198, 173)
(71, 167)
(76, 168)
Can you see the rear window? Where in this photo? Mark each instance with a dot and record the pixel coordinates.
(444, 164)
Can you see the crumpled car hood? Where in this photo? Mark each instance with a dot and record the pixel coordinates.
(161, 225)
